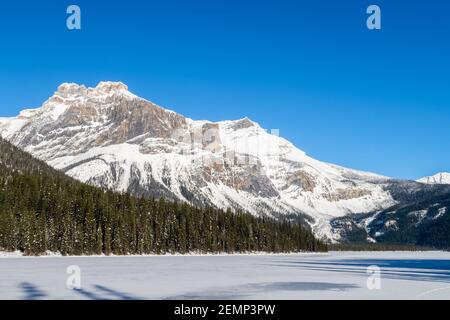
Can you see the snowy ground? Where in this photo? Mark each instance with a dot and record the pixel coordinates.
(307, 276)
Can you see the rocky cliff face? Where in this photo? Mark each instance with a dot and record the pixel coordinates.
(109, 137)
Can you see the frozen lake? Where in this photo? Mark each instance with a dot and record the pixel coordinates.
(305, 276)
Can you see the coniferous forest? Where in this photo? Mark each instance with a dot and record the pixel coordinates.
(43, 210)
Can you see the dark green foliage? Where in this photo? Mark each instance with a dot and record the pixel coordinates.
(41, 209)
(14, 159)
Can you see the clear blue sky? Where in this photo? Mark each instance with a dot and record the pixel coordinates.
(371, 100)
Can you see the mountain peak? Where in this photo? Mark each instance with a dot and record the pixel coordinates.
(70, 88)
(439, 178)
(103, 87)
(111, 86)
(240, 124)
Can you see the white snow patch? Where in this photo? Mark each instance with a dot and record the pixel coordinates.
(441, 213)
(440, 178)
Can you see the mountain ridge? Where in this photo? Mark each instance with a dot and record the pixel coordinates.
(439, 178)
(108, 137)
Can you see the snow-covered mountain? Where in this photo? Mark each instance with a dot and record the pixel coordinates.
(440, 178)
(109, 137)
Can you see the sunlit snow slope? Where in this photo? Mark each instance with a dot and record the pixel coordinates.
(440, 178)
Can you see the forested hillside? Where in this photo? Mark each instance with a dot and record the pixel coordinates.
(43, 210)
(419, 224)
(17, 161)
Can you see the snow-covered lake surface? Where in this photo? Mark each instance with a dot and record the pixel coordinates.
(422, 275)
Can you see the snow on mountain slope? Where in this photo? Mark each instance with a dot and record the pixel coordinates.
(109, 137)
(440, 178)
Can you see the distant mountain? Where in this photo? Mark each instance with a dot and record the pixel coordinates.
(108, 137)
(421, 223)
(43, 210)
(440, 178)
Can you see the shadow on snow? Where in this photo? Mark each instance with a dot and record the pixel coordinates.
(32, 292)
(412, 270)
